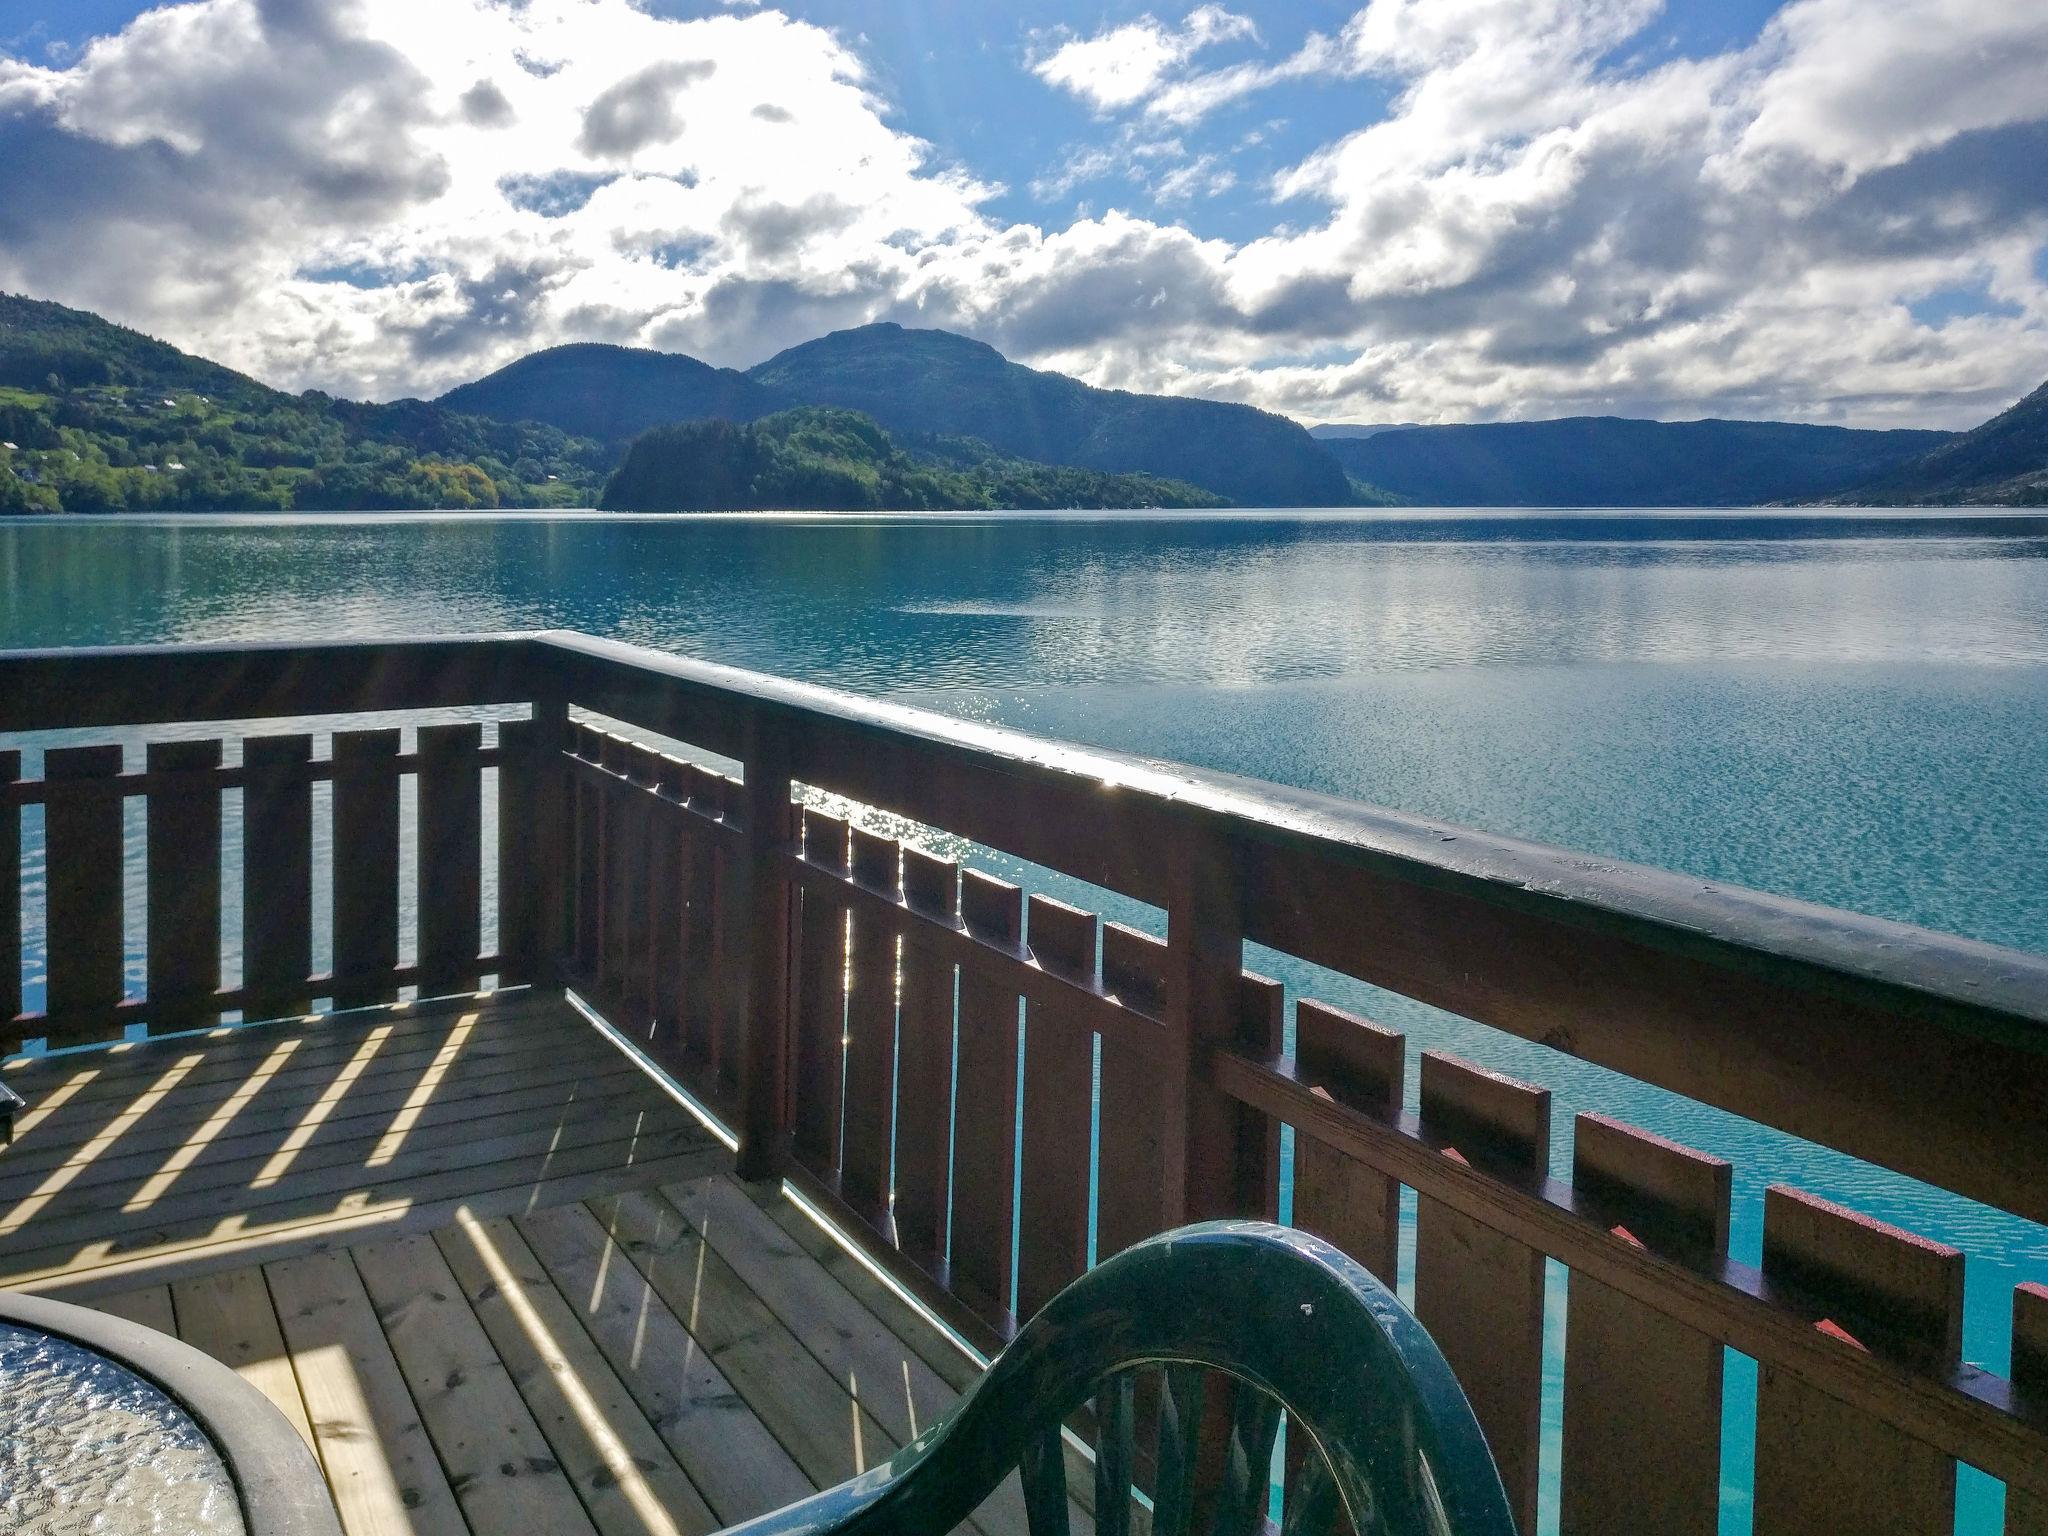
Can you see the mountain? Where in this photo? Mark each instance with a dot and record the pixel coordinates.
(2004, 462)
(1329, 431)
(95, 417)
(1608, 461)
(817, 456)
(612, 393)
(936, 382)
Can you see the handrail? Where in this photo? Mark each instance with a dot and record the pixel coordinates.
(1290, 1317)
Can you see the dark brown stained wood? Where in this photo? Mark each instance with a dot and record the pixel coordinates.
(758, 901)
(705, 981)
(82, 840)
(587, 796)
(924, 1070)
(1642, 1396)
(277, 875)
(450, 857)
(1479, 1293)
(614, 879)
(1821, 1465)
(2026, 1513)
(365, 862)
(1357, 1063)
(183, 841)
(1205, 1174)
(1059, 1091)
(1262, 1027)
(522, 873)
(1130, 1200)
(819, 1026)
(10, 902)
(985, 1107)
(667, 829)
(638, 805)
(870, 1037)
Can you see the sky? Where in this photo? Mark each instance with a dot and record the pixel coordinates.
(1407, 210)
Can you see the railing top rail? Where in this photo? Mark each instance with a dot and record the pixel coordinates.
(1897, 967)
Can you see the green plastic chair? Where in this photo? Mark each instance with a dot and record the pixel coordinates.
(1388, 1445)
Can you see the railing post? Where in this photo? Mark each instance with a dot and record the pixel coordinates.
(762, 900)
(1212, 1169)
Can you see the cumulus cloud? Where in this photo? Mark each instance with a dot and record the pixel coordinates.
(1122, 65)
(1545, 216)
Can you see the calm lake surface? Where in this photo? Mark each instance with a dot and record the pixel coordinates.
(1849, 708)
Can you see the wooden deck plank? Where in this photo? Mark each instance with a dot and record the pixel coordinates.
(194, 1179)
(413, 1204)
(740, 1468)
(149, 1305)
(230, 1315)
(630, 1483)
(499, 1465)
(804, 1407)
(381, 1467)
(332, 1119)
(321, 1185)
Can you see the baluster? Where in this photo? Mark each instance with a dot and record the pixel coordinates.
(755, 891)
(277, 876)
(1356, 1063)
(1642, 1399)
(1820, 1464)
(821, 1001)
(449, 850)
(668, 835)
(870, 1037)
(10, 902)
(365, 866)
(1059, 1083)
(1130, 1202)
(1478, 1292)
(985, 1124)
(82, 838)
(2026, 1512)
(183, 841)
(924, 1071)
(639, 808)
(704, 987)
(587, 919)
(1183, 1396)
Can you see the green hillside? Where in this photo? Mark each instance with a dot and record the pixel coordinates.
(98, 418)
(833, 460)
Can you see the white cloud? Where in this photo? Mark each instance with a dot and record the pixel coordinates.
(1122, 65)
(387, 196)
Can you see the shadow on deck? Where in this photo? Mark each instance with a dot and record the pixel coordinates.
(491, 1271)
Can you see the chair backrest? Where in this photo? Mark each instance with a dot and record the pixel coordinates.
(1184, 1359)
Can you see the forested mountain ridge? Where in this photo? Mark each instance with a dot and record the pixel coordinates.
(837, 460)
(1610, 461)
(2003, 462)
(933, 381)
(95, 417)
(613, 393)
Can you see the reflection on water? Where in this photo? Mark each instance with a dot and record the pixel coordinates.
(1849, 708)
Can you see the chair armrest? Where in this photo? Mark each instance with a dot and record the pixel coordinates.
(1280, 1311)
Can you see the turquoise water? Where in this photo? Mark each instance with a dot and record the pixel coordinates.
(1852, 708)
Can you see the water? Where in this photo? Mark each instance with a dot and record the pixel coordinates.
(1847, 708)
(87, 1445)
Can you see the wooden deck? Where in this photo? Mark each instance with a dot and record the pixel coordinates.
(497, 1277)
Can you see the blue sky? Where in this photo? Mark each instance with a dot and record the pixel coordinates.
(1405, 209)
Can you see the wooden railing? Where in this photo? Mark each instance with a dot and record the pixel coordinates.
(869, 1016)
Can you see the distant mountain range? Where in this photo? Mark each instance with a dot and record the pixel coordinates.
(96, 417)
(929, 382)
(1609, 461)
